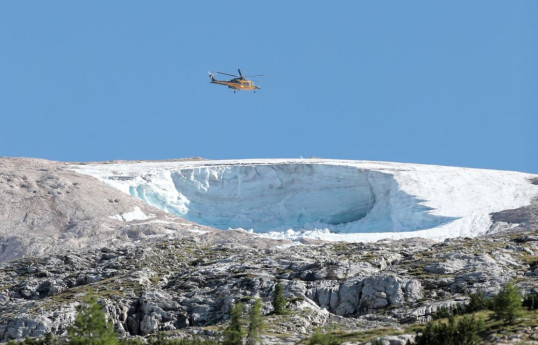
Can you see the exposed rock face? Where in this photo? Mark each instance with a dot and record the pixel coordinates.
(523, 217)
(183, 286)
(357, 297)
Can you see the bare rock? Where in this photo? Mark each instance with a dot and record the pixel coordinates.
(390, 290)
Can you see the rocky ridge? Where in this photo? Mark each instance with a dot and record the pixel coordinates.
(187, 287)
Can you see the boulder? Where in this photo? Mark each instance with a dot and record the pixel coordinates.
(389, 290)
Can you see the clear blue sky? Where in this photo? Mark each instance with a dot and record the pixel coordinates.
(450, 83)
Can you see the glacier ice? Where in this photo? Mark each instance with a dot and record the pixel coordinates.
(327, 199)
(282, 196)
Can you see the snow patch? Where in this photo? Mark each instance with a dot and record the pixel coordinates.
(197, 231)
(136, 214)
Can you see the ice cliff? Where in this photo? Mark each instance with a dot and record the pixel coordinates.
(329, 199)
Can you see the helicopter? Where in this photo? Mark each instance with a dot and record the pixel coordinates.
(238, 83)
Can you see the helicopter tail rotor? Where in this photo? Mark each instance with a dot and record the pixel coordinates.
(211, 77)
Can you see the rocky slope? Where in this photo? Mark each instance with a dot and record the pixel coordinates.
(45, 207)
(187, 287)
(66, 235)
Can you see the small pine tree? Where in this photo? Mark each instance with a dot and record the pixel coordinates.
(255, 327)
(507, 304)
(233, 334)
(477, 301)
(91, 326)
(467, 330)
(279, 301)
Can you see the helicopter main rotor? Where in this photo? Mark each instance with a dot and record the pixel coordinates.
(240, 76)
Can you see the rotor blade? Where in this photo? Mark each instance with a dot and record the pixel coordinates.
(255, 75)
(231, 75)
(238, 70)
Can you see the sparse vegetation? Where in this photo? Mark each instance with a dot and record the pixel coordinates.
(477, 301)
(159, 339)
(506, 307)
(323, 338)
(507, 304)
(463, 332)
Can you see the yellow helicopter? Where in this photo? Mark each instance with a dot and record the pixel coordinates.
(238, 83)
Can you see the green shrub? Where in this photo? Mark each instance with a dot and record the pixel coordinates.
(507, 304)
(478, 301)
(49, 339)
(91, 326)
(464, 332)
(131, 341)
(159, 339)
(322, 338)
(441, 313)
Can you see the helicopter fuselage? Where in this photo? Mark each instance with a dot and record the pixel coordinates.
(237, 84)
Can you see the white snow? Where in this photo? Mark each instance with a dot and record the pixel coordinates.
(136, 214)
(325, 199)
(198, 231)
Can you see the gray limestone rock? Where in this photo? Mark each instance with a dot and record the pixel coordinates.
(349, 295)
(389, 290)
(25, 325)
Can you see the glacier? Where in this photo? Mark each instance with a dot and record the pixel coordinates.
(325, 199)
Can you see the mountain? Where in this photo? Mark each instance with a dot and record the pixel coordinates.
(415, 239)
